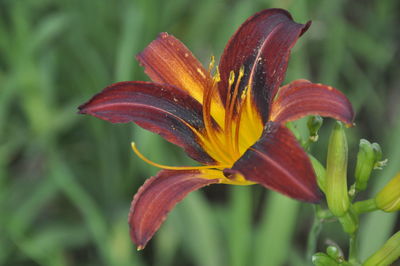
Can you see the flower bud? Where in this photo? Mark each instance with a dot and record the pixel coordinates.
(365, 164)
(314, 123)
(336, 172)
(377, 151)
(387, 254)
(333, 252)
(321, 259)
(388, 199)
(379, 163)
(320, 172)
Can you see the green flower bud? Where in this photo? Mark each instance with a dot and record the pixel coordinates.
(333, 252)
(388, 199)
(336, 172)
(320, 172)
(387, 254)
(379, 163)
(378, 151)
(314, 123)
(321, 259)
(365, 164)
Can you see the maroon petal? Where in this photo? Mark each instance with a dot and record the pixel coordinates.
(301, 98)
(279, 163)
(157, 197)
(163, 109)
(262, 45)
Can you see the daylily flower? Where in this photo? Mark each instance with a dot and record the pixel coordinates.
(231, 119)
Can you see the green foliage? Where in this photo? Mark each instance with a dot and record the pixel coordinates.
(66, 181)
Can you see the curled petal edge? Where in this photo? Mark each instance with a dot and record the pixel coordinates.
(301, 97)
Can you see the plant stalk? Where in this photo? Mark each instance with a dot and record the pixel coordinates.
(313, 235)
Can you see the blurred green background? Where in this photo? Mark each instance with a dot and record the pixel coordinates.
(66, 181)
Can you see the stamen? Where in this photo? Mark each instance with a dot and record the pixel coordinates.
(230, 109)
(207, 107)
(141, 156)
(212, 64)
(231, 80)
(209, 130)
(243, 97)
(254, 122)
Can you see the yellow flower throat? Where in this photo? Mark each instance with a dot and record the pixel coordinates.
(239, 124)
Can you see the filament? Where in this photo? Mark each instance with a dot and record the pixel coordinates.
(243, 98)
(209, 130)
(230, 109)
(141, 156)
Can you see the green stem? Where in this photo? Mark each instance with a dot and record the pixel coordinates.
(353, 249)
(325, 214)
(313, 235)
(350, 223)
(365, 206)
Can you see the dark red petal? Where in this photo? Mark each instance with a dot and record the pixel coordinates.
(157, 197)
(167, 60)
(301, 98)
(278, 162)
(163, 109)
(262, 45)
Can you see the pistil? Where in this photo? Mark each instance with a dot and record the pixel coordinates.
(166, 167)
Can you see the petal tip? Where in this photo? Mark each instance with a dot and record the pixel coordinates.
(82, 108)
(306, 27)
(163, 35)
(140, 56)
(350, 124)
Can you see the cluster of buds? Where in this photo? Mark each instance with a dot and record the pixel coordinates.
(333, 182)
(332, 257)
(368, 158)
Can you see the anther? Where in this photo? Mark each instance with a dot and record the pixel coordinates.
(231, 78)
(212, 64)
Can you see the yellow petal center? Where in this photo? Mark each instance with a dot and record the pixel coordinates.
(229, 130)
(241, 125)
